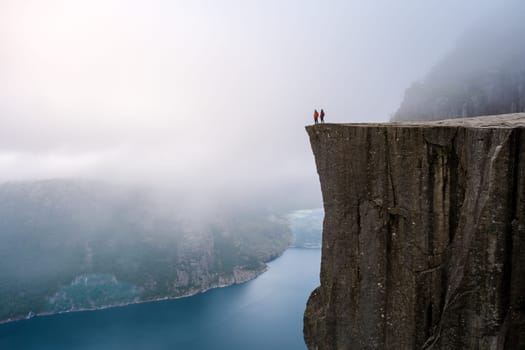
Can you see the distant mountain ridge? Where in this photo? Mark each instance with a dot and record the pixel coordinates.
(484, 75)
(307, 227)
(70, 245)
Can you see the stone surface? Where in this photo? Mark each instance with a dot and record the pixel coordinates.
(423, 236)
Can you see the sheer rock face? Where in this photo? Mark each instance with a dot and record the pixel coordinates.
(423, 236)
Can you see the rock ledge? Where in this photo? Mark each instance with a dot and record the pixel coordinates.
(423, 237)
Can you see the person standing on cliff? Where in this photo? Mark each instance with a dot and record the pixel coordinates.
(316, 116)
(322, 115)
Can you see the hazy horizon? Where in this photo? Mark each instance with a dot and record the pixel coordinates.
(209, 96)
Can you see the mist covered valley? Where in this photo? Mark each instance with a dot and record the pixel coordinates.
(82, 244)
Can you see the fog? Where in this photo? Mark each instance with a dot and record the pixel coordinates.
(208, 96)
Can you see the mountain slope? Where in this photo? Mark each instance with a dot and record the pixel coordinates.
(484, 75)
(70, 245)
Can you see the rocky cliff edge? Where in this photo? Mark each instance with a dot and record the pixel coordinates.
(423, 236)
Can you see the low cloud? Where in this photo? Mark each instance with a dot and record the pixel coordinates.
(207, 96)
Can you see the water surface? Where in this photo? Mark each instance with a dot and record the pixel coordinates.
(265, 313)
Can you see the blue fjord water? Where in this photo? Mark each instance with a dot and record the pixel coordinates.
(265, 313)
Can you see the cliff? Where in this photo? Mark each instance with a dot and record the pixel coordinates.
(423, 236)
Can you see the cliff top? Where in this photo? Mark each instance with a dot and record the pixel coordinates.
(423, 235)
(516, 120)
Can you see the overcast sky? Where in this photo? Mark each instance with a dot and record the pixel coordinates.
(211, 93)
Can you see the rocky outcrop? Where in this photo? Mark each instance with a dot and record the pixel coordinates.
(423, 237)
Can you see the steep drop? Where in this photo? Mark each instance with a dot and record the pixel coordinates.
(423, 237)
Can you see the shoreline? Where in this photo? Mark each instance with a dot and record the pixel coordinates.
(252, 274)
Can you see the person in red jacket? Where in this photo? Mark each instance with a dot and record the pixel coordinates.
(316, 116)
